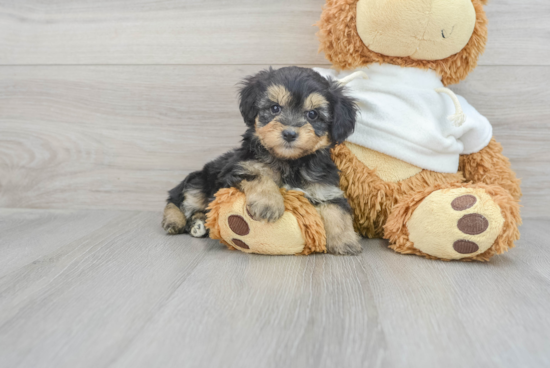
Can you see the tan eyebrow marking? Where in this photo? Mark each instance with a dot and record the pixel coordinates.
(279, 94)
(314, 101)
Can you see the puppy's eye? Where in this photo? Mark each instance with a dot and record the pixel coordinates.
(276, 109)
(312, 115)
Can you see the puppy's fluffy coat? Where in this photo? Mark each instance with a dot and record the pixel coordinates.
(294, 118)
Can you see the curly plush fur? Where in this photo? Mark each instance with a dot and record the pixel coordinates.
(398, 234)
(382, 209)
(344, 48)
(490, 166)
(373, 199)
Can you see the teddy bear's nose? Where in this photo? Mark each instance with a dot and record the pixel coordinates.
(290, 135)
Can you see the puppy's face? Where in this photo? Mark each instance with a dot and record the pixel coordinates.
(292, 124)
(295, 112)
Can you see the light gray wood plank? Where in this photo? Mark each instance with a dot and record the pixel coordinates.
(516, 34)
(83, 303)
(238, 310)
(535, 239)
(126, 295)
(111, 137)
(425, 313)
(119, 137)
(28, 236)
(159, 32)
(218, 32)
(464, 314)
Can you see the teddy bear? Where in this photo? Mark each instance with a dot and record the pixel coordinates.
(422, 168)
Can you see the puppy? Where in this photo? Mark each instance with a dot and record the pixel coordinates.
(294, 117)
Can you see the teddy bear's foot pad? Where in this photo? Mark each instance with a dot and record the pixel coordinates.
(238, 225)
(240, 244)
(465, 247)
(472, 224)
(455, 223)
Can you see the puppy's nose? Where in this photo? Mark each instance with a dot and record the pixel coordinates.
(290, 135)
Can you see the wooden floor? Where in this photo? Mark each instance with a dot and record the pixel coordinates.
(107, 104)
(109, 289)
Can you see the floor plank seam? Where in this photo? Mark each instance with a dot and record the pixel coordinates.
(195, 263)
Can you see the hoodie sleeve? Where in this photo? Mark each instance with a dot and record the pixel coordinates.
(477, 131)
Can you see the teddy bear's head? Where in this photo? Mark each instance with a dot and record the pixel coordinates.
(447, 36)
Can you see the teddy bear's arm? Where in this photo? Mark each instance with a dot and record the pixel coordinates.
(490, 166)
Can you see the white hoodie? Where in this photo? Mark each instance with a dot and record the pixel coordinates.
(402, 115)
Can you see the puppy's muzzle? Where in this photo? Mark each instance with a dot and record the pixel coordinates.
(290, 135)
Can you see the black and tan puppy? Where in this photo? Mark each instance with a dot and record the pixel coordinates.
(294, 118)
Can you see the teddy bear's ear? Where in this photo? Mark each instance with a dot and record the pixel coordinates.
(338, 35)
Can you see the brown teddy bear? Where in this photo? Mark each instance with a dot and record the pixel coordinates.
(422, 168)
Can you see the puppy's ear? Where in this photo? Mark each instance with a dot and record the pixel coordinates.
(344, 113)
(250, 92)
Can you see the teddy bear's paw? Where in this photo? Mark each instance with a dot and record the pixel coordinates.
(242, 230)
(455, 223)
(248, 235)
(299, 230)
(173, 220)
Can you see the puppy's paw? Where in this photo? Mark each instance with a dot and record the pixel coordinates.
(343, 248)
(172, 228)
(269, 207)
(341, 237)
(173, 221)
(198, 230)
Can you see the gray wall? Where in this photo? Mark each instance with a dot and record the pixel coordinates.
(109, 103)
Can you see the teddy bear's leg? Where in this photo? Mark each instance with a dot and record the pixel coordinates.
(455, 222)
(490, 166)
(341, 237)
(299, 231)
